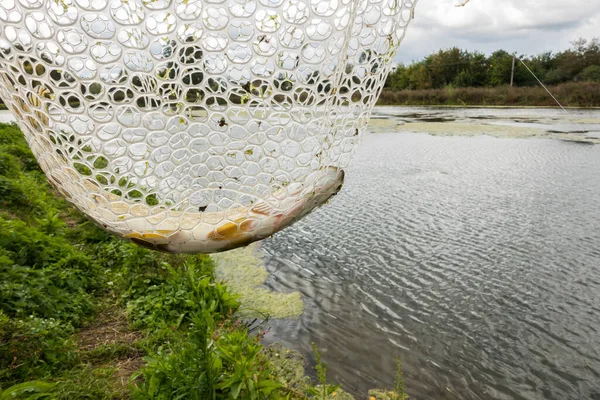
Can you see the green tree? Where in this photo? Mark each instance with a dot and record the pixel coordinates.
(590, 74)
(500, 68)
(583, 54)
(446, 65)
(398, 79)
(461, 68)
(420, 78)
(474, 72)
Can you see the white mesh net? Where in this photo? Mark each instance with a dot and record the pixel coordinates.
(196, 125)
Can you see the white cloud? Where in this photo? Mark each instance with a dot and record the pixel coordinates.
(522, 26)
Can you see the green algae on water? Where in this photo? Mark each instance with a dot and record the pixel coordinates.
(390, 125)
(244, 273)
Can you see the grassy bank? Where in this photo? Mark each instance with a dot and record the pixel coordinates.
(569, 94)
(84, 315)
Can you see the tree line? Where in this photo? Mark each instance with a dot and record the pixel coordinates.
(460, 68)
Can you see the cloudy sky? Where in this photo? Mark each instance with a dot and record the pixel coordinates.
(522, 26)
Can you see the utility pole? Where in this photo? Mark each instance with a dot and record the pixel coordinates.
(512, 73)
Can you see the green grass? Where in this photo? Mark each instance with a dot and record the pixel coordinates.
(112, 351)
(83, 311)
(57, 269)
(85, 382)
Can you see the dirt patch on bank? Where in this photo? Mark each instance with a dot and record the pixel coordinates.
(110, 328)
(109, 342)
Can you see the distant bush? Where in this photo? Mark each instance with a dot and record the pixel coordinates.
(574, 94)
(591, 74)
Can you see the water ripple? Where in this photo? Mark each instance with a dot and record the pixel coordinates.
(475, 260)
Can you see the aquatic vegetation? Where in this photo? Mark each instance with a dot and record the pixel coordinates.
(399, 385)
(244, 272)
(288, 367)
(466, 129)
(501, 129)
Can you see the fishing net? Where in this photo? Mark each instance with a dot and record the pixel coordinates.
(196, 125)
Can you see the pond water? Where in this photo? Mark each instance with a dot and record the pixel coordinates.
(476, 260)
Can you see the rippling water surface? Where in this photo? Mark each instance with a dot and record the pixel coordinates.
(475, 260)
